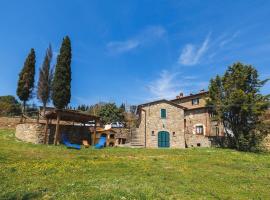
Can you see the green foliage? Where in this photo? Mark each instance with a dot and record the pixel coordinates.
(30, 171)
(110, 113)
(235, 98)
(9, 106)
(61, 86)
(83, 108)
(45, 79)
(27, 78)
(94, 109)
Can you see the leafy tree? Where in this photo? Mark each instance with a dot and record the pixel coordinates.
(61, 85)
(110, 113)
(45, 79)
(9, 106)
(27, 79)
(94, 109)
(236, 99)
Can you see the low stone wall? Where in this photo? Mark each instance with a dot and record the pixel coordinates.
(9, 122)
(30, 132)
(267, 142)
(193, 140)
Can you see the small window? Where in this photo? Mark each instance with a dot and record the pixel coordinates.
(198, 144)
(195, 101)
(173, 134)
(199, 130)
(153, 133)
(217, 130)
(163, 113)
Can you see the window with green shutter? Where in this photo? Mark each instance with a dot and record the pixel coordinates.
(163, 113)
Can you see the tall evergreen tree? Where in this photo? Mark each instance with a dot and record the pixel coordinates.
(236, 99)
(45, 79)
(61, 85)
(27, 79)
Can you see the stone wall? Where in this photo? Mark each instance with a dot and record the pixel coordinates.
(9, 122)
(267, 142)
(197, 117)
(197, 141)
(174, 124)
(30, 132)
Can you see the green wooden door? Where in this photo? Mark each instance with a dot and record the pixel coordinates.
(163, 139)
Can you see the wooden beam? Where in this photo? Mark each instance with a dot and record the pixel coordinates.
(95, 134)
(56, 136)
(46, 132)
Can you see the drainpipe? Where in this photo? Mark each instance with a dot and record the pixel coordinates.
(144, 126)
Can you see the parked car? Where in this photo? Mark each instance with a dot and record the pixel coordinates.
(117, 125)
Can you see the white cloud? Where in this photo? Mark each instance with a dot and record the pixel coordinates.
(191, 54)
(143, 38)
(228, 39)
(170, 84)
(165, 86)
(120, 47)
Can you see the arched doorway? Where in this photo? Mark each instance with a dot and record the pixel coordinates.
(163, 139)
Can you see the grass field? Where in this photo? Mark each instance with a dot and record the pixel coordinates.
(30, 171)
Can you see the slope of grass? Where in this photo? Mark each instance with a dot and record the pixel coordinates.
(30, 171)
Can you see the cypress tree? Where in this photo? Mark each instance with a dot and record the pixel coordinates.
(27, 79)
(45, 79)
(61, 86)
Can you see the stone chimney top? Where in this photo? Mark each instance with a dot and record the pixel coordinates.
(180, 95)
(202, 90)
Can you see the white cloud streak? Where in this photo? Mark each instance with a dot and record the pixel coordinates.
(191, 55)
(149, 34)
(228, 39)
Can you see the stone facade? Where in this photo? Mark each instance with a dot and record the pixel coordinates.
(188, 122)
(173, 124)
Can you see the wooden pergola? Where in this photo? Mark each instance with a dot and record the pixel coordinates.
(67, 116)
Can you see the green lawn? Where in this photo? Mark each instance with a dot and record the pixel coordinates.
(30, 171)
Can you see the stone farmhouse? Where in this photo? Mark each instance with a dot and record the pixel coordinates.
(183, 122)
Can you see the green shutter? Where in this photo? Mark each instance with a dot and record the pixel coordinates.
(163, 113)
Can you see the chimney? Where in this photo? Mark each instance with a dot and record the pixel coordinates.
(181, 95)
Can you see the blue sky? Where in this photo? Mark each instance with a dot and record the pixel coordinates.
(135, 51)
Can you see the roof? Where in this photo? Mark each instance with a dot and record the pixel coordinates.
(190, 96)
(162, 101)
(70, 115)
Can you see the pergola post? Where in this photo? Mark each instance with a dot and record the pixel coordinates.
(95, 133)
(56, 136)
(46, 132)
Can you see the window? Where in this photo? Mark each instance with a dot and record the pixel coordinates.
(195, 101)
(153, 133)
(163, 113)
(199, 130)
(217, 130)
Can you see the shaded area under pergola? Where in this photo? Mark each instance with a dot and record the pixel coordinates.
(67, 116)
